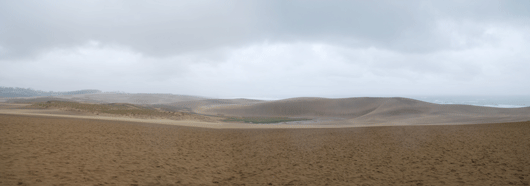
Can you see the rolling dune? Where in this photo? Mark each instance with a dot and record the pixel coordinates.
(376, 111)
(55, 149)
(201, 105)
(145, 99)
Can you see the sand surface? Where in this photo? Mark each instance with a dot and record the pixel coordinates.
(38, 150)
(21, 109)
(17, 109)
(109, 98)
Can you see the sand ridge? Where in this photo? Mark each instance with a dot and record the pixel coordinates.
(344, 112)
(376, 117)
(110, 98)
(191, 123)
(377, 111)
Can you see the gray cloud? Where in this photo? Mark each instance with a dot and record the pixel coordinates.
(149, 27)
(171, 27)
(267, 48)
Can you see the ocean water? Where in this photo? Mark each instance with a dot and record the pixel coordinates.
(486, 101)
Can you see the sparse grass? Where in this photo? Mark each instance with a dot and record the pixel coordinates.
(263, 119)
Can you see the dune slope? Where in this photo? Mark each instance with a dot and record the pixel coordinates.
(380, 111)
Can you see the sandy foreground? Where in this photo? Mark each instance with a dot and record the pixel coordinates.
(44, 150)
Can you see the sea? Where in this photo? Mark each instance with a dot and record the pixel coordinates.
(485, 101)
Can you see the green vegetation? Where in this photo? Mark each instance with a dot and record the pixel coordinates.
(263, 119)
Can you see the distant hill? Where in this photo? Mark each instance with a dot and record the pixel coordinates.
(28, 92)
(140, 98)
(307, 107)
(367, 111)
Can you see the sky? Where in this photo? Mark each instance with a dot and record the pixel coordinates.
(268, 49)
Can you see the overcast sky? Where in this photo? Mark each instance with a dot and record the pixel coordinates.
(268, 49)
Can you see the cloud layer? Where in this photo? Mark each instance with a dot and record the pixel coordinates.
(274, 49)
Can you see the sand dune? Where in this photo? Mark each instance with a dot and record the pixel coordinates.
(376, 111)
(304, 107)
(201, 105)
(41, 99)
(112, 98)
(323, 111)
(341, 112)
(67, 151)
(56, 147)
